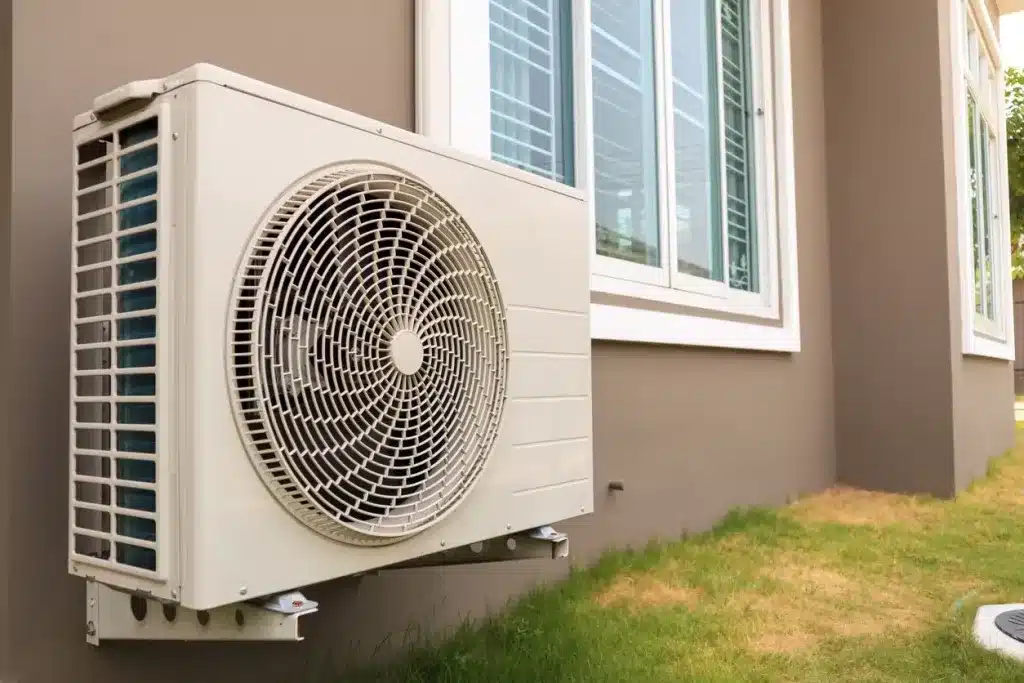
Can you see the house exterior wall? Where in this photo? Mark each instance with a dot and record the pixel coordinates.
(6, 47)
(912, 412)
(691, 432)
(890, 290)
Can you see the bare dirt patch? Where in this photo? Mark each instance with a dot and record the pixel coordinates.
(854, 507)
(637, 591)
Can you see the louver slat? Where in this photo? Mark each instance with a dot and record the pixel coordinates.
(114, 393)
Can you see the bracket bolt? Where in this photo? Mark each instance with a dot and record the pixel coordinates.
(442, 544)
(90, 629)
(508, 527)
(243, 590)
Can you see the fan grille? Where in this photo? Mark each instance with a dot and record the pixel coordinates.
(368, 354)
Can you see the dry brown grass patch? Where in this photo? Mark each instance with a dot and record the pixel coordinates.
(635, 591)
(802, 602)
(1004, 491)
(854, 507)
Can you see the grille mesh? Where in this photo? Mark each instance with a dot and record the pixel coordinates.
(114, 348)
(368, 355)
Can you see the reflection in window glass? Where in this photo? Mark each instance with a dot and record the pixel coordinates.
(695, 107)
(974, 198)
(531, 86)
(625, 139)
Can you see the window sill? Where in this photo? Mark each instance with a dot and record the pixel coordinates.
(620, 323)
(734, 303)
(984, 347)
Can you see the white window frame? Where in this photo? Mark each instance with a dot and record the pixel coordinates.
(982, 336)
(453, 107)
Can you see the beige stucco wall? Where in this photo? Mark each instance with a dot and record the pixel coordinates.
(912, 413)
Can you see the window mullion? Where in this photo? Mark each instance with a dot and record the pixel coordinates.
(664, 139)
(667, 161)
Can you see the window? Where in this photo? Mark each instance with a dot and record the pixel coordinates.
(984, 232)
(675, 115)
(698, 228)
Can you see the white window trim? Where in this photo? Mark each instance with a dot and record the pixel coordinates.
(980, 337)
(453, 107)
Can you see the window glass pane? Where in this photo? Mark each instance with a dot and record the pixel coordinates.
(737, 120)
(695, 114)
(625, 155)
(972, 176)
(990, 195)
(531, 86)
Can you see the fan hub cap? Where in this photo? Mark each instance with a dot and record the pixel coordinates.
(406, 351)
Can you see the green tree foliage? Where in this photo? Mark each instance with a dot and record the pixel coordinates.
(1015, 145)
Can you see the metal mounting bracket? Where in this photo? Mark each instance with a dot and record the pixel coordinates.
(540, 543)
(113, 615)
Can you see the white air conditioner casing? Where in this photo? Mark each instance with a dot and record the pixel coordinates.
(214, 216)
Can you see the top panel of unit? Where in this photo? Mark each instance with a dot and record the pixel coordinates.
(140, 91)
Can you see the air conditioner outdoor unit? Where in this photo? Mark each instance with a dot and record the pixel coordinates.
(307, 345)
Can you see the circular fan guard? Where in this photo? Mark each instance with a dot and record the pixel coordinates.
(368, 355)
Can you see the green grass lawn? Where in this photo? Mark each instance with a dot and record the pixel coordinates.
(843, 586)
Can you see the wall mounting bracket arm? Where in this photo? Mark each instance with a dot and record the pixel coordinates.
(540, 543)
(113, 615)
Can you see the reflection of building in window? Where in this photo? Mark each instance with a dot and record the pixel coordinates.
(625, 154)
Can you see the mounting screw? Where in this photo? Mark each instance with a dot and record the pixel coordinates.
(508, 527)
(760, 111)
(442, 544)
(174, 136)
(243, 590)
(174, 594)
(90, 629)
(380, 130)
(74, 568)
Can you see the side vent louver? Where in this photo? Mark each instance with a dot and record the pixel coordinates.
(114, 452)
